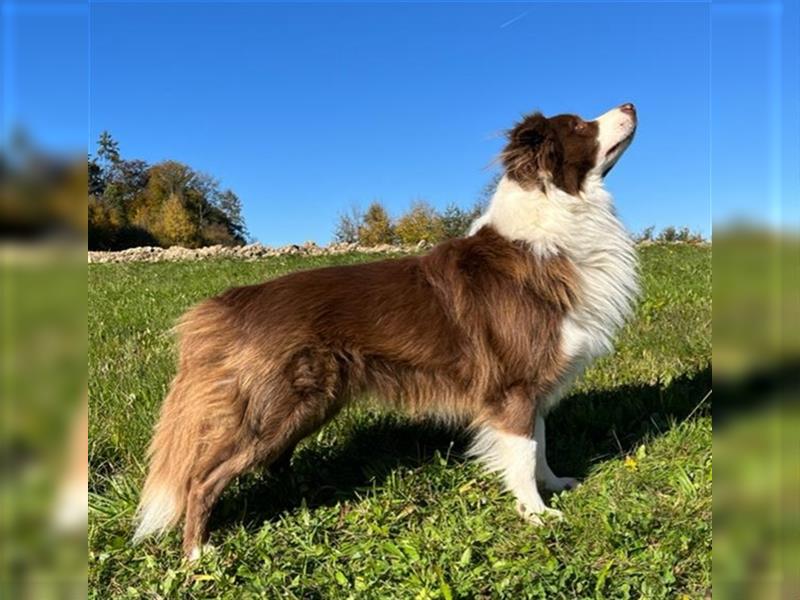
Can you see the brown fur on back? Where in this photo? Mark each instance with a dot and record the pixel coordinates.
(445, 333)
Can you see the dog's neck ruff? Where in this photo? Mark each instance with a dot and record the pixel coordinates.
(586, 230)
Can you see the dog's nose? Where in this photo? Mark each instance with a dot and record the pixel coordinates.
(628, 108)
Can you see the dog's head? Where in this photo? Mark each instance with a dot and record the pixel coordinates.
(564, 150)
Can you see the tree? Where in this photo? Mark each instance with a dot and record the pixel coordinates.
(376, 227)
(145, 216)
(107, 149)
(124, 180)
(170, 177)
(420, 223)
(103, 224)
(218, 234)
(204, 196)
(96, 182)
(231, 207)
(349, 224)
(176, 226)
(456, 221)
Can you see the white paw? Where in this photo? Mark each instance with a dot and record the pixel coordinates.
(538, 515)
(199, 551)
(559, 484)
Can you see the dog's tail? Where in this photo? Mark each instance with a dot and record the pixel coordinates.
(193, 417)
(170, 456)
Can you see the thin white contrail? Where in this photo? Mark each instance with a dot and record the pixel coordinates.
(514, 20)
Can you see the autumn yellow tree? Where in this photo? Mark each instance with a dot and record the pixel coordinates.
(376, 227)
(175, 227)
(420, 223)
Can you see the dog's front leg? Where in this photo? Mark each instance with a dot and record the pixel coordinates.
(544, 473)
(505, 443)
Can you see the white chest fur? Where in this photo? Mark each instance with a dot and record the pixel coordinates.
(605, 261)
(588, 231)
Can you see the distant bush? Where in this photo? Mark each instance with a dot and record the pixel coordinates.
(376, 226)
(684, 234)
(646, 235)
(420, 224)
(457, 221)
(348, 226)
(670, 234)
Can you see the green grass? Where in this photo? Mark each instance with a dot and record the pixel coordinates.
(378, 506)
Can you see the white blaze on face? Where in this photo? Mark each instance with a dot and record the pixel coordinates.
(615, 132)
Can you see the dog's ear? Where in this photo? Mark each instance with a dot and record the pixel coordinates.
(533, 150)
(530, 131)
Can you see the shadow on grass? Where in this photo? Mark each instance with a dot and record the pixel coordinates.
(586, 429)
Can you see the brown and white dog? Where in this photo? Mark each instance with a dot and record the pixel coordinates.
(488, 330)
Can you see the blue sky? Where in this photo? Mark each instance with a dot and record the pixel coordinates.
(307, 109)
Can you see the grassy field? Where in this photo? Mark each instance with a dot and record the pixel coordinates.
(377, 506)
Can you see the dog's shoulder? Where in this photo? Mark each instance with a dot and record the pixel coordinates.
(484, 253)
(486, 262)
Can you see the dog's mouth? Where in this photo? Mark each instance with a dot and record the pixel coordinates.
(624, 141)
(613, 153)
(614, 148)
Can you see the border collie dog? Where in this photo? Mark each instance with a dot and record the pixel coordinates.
(488, 331)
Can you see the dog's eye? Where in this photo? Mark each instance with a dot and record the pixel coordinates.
(579, 125)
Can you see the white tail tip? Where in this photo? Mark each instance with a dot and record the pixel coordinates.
(157, 512)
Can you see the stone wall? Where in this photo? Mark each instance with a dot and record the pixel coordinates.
(248, 252)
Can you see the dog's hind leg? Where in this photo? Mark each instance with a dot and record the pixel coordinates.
(505, 443)
(204, 491)
(218, 471)
(269, 434)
